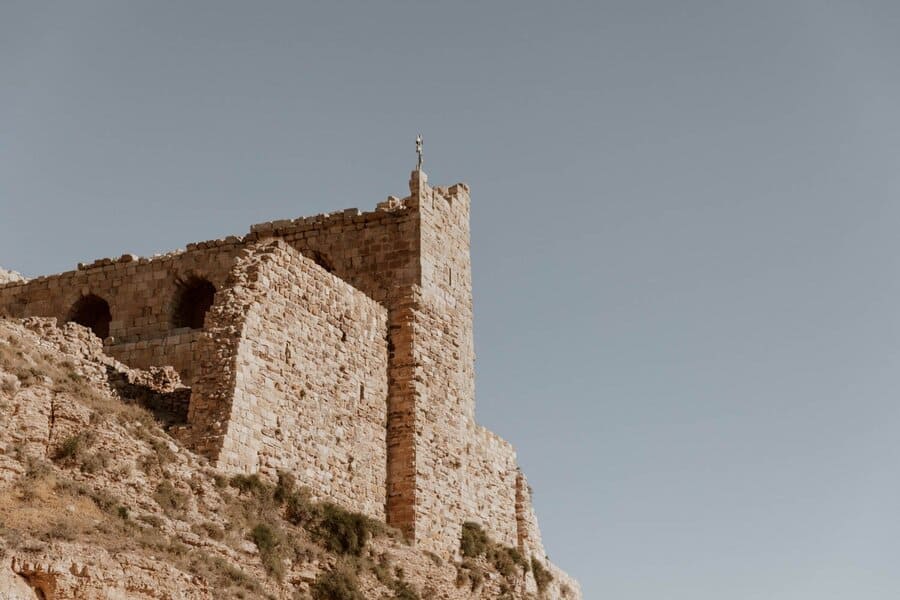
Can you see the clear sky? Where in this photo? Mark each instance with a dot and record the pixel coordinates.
(685, 250)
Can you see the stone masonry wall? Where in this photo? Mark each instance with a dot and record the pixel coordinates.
(378, 253)
(141, 294)
(529, 534)
(375, 252)
(308, 391)
(339, 346)
(489, 486)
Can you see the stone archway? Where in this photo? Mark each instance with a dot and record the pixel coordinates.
(194, 298)
(92, 311)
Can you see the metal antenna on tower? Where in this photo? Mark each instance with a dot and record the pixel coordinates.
(419, 152)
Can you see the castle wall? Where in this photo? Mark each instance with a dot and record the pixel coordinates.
(306, 388)
(489, 490)
(141, 294)
(529, 534)
(375, 252)
(339, 347)
(378, 253)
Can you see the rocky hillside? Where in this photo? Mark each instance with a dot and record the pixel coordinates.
(99, 500)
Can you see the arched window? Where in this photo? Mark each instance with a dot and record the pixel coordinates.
(92, 312)
(194, 297)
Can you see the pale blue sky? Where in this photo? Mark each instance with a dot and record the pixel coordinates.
(685, 249)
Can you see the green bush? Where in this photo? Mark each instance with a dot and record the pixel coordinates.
(264, 537)
(74, 446)
(268, 541)
(542, 576)
(345, 532)
(253, 485)
(474, 541)
(284, 489)
(300, 509)
(338, 584)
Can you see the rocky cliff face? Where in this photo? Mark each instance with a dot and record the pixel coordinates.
(99, 500)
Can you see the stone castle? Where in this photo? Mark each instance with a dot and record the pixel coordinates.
(338, 347)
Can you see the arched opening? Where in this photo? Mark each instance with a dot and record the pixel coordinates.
(194, 298)
(321, 260)
(92, 312)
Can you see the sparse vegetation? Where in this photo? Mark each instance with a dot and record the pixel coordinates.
(474, 541)
(269, 542)
(469, 574)
(475, 544)
(340, 583)
(542, 575)
(403, 590)
(209, 529)
(172, 501)
(95, 462)
(508, 561)
(300, 509)
(253, 485)
(69, 447)
(345, 532)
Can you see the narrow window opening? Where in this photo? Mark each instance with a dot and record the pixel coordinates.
(193, 300)
(92, 312)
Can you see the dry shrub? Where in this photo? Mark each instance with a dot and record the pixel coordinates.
(345, 532)
(469, 574)
(542, 575)
(172, 501)
(473, 541)
(340, 583)
(45, 507)
(269, 541)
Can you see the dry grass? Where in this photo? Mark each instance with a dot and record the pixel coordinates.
(47, 509)
(46, 506)
(35, 366)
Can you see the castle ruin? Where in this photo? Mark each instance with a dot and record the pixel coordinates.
(337, 347)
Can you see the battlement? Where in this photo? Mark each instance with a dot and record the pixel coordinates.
(338, 347)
